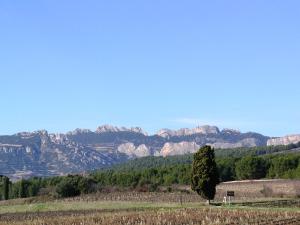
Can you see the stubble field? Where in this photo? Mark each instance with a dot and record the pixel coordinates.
(181, 207)
(158, 215)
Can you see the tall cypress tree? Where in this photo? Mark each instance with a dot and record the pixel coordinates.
(205, 175)
(1, 187)
(6, 188)
(22, 190)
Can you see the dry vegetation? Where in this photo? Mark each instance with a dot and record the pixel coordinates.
(181, 207)
(163, 217)
(244, 191)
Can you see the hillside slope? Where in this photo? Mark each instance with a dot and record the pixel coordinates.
(42, 154)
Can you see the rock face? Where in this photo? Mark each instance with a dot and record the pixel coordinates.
(180, 148)
(134, 152)
(109, 128)
(185, 131)
(247, 142)
(290, 139)
(42, 154)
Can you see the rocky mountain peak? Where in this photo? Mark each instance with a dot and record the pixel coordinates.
(41, 153)
(78, 131)
(58, 138)
(41, 132)
(206, 129)
(286, 140)
(26, 134)
(165, 133)
(230, 131)
(138, 130)
(107, 128)
(110, 128)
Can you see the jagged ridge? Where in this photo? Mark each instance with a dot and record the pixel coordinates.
(42, 154)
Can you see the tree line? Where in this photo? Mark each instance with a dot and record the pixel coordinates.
(152, 174)
(4, 187)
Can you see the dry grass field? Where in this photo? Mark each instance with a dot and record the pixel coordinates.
(248, 190)
(251, 206)
(159, 216)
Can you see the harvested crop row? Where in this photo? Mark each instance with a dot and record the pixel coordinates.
(162, 217)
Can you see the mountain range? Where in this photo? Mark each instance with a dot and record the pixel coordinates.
(41, 153)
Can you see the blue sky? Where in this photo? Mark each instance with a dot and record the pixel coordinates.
(154, 64)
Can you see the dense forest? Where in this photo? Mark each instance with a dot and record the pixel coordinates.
(151, 173)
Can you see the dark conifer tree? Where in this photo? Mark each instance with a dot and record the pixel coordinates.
(205, 175)
(6, 188)
(22, 190)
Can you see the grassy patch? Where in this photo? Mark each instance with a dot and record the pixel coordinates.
(97, 205)
(107, 205)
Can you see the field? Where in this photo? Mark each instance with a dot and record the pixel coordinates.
(80, 212)
(165, 208)
(161, 216)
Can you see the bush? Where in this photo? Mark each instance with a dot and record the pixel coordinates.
(67, 188)
(75, 185)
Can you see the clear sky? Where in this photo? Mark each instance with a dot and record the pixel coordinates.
(155, 64)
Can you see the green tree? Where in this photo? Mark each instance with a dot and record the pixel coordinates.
(22, 189)
(226, 168)
(282, 164)
(6, 188)
(86, 185)
(205, 175)
(251, 167)
(67, 188)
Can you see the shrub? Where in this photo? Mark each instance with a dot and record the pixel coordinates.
(67, 188)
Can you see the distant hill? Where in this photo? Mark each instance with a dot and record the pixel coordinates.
(40, 153)
(289, 139)
(155, 162)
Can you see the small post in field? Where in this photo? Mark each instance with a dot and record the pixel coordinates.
(229, 194)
